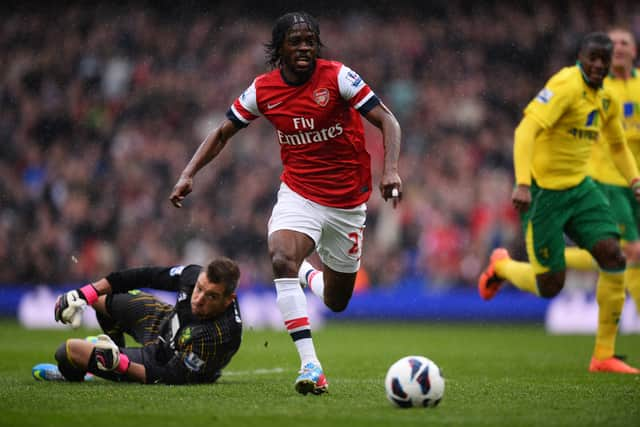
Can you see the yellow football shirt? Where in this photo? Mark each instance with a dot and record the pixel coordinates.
(572, 115)
(627, 92)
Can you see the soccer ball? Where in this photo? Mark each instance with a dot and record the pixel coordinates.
(414, 381)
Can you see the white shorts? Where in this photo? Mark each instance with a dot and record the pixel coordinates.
(337, 233)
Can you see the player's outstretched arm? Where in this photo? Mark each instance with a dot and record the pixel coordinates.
(70, 305)
(69, 308)
(390, 184)
(207, 151)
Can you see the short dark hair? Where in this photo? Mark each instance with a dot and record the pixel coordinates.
(279, 32)
(599, 38)
(224, 271)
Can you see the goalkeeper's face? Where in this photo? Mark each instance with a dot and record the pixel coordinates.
(208, 299)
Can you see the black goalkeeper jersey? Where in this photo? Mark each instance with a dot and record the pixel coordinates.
(187, 349)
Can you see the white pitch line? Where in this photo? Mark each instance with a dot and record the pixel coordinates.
(261, 371)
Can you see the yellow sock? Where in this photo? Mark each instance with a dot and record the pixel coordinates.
(520, 274)
(610, 297)
(579, 259)
(632, 283)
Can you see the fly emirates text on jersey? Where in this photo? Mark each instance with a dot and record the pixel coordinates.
(307, 134)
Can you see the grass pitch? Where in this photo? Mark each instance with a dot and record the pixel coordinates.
(495, 376)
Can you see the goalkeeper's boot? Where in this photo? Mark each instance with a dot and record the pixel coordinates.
(50, 372)
(311, 380)
(489, 283)
(47, 372)
(612, 364)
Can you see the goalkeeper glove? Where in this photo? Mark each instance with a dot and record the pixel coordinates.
(108, 357)
(70, 305)
(69, 308)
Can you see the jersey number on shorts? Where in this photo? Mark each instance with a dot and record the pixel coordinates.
(355, 249)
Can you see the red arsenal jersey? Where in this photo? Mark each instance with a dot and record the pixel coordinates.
(319, 131)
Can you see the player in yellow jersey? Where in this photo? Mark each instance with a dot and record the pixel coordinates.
(624, 82)
(554, 195)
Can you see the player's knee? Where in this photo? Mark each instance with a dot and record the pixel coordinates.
(283, 265)
(67, 366)
(609, 255)
(61, 353)
(336, 301)
(336, 306)
(549, 291)
(338, 290)
(66, 353)
(613, 261)
(550, 286)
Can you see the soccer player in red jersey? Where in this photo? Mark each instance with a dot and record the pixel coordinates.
(315, 105)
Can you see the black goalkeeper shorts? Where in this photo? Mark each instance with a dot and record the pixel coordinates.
(138, 314)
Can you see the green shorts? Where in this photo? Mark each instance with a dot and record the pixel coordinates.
(624, 209)
(582, 212)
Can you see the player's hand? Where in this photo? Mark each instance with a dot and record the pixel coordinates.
(107, 353)
(521, 198)
(391, 188)
(180, 191)
(69, 307)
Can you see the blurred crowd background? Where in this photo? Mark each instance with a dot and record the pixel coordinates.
(102, 105)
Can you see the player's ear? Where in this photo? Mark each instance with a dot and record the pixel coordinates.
(229, 299)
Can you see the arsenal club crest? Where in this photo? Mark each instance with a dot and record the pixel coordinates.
(321, 96)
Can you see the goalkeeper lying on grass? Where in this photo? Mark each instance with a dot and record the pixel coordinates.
(187, 343)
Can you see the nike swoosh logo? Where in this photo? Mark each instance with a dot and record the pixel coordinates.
(274, 105)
